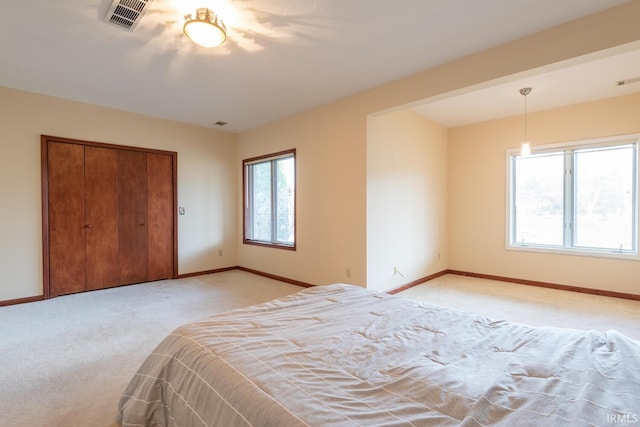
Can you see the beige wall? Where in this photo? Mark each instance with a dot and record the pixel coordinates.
(206, 181)
(332, 143)
(406, 199)
(332, 161)
(330, 195)
(477, 195)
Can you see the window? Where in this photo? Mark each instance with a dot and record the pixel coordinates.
(270, 200)
(579, 197)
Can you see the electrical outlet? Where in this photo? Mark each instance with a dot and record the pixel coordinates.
(348, 272)
(181, 210)
(220, 252)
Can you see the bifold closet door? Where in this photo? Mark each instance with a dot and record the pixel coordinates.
(109, 215)
(132, 216)
(66, 193)
(101, 217)
(159, 216)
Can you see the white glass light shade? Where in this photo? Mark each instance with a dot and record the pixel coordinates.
(205, 29)
(525, 149)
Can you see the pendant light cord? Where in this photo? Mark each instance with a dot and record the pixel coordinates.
(525, 118)
(524, 92)
(525, 149)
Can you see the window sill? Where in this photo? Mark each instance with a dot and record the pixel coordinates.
(269, 244)
(575, 252)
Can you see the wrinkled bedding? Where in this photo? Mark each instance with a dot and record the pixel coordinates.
(340, 355)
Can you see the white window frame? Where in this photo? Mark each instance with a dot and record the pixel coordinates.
(248, 203)
(511, 245)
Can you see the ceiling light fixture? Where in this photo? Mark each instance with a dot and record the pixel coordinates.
(206, 29)
(525, 149)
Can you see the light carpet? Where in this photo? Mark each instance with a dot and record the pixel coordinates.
(65, 361)
(530, 305)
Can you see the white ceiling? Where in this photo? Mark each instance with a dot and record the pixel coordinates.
(571, 84)
(281, 56)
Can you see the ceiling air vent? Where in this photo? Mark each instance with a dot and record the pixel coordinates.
(126, 13)
(627, 81)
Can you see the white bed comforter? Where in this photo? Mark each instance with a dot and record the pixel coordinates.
(343, 356)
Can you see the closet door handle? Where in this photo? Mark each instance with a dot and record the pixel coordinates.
(143, 224)
(88, 226)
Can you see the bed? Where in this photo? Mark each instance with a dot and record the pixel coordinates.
(341, 355)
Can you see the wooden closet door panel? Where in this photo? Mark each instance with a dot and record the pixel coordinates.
(132, 216)
(160, 216)
(101, 217)
(65, 164)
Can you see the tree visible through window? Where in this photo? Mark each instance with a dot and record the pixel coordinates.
(269, 200)
(578, 197)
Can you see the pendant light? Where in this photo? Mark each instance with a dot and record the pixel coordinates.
(525, 148)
